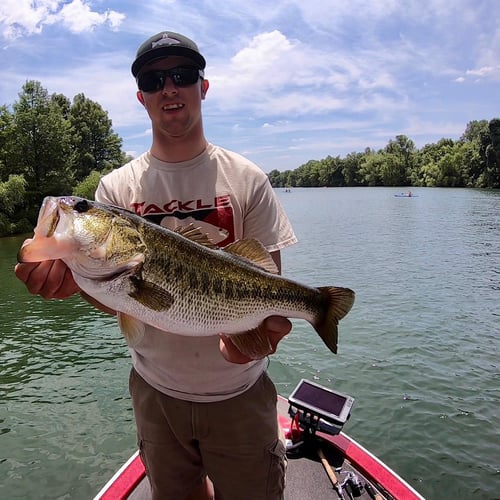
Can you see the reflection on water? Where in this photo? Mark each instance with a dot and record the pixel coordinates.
(418, 351)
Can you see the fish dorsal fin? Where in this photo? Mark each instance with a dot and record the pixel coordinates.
(255, 252)
(195, 234)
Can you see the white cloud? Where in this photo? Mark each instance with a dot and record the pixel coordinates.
(78, 17)
(273, 75)
(485, 71)
(25, 17)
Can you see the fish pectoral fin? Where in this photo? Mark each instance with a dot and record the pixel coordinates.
(195, 234)
(255, 252)
(131, 328)
(150, 295)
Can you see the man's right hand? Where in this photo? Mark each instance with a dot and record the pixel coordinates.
(51, 279)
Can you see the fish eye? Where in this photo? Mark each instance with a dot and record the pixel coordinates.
(82, 206)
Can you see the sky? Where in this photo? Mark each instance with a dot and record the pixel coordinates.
(290, 81)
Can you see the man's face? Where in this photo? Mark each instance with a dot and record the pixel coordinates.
(174, 110)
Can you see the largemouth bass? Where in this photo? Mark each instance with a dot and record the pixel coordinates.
(177, 281)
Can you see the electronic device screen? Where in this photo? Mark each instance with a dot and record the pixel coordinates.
(328, 404)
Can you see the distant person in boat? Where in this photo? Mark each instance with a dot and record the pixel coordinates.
(202, 408)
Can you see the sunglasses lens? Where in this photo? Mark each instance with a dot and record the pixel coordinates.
(182, 76)
(151, 81)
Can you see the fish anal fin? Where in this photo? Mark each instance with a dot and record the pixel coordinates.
(131, 328)
(193, 233)
(254, 343)
(340, 301)
(255, 252)
(150, 295)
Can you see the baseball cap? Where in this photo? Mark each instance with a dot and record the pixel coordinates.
(166, 43)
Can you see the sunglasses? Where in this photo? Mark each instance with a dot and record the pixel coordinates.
(181, 76)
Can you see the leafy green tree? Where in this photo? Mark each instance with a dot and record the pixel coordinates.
(429, 174)
(325, 171)
(275, 178)
(86, 188)
(42, 143)
(307, 175)
(477, 136)
(95, 146)
(12, 196)
(351, 167)
(52, 144)
(490, 176)
(471, 163)
(331, 173)
(427, 159)
(494, 129)
(474, 130)
(392, 171)
(371, 169)
(63, 103)
(450, 172)
(290, 178)
(401, 161)
(7, 166)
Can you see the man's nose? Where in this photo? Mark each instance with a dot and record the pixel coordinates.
(169, 87)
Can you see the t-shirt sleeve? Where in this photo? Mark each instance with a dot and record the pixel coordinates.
(266, 219)
(103, 195)
(114, 189)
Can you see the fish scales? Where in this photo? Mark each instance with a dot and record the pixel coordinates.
(191, 270)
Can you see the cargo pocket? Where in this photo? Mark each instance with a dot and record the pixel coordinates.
(277, 471)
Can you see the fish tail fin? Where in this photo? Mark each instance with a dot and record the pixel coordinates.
(340, 301)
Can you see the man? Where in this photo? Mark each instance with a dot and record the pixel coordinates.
(202, 408)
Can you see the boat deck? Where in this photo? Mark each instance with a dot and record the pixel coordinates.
(306, 478)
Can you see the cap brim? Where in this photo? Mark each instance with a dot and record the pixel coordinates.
(160, 53)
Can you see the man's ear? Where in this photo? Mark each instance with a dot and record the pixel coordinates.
(140, 97)
(204, 88)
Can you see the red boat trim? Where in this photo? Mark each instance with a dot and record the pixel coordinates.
(121, 485)
(373, 468)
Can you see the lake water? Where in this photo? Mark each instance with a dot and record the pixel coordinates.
(419, 350)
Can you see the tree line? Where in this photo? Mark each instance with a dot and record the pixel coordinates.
(471, 161)
(51, 146)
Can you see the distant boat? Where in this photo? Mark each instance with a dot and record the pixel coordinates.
(408, 194)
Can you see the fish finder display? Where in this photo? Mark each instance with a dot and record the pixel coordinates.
(331, 405)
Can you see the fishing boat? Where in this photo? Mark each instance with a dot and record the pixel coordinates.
(323, 461)
(407, 194)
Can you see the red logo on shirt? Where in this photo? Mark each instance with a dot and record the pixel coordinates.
(214, 217)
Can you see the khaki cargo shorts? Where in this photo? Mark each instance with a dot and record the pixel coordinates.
(236, 442)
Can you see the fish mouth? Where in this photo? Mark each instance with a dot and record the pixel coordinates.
(48, 217)
(50, 213)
